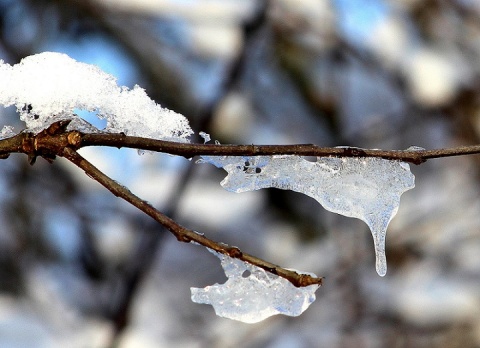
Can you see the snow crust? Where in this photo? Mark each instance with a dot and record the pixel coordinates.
(49, 86)
(251, 294)
(365, 188)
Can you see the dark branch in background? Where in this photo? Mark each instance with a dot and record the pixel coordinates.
(235, 69)
(181, 233)
(149, 243)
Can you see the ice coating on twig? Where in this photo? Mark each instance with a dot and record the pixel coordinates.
(366, 188)
(251, 294)
(49, 86)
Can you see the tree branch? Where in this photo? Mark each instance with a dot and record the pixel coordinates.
(181, 233)
(54, 139)
(189, 150)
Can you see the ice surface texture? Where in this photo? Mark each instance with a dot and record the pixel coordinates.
(49, 86)
(6, 132)
(251, 294)
(365, 188)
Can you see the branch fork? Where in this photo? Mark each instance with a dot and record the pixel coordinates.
(57, 141)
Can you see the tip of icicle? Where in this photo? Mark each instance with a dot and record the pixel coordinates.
(381, 270)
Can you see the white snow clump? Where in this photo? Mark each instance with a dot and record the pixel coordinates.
(365, 188)
(49, 86)
(252, 294)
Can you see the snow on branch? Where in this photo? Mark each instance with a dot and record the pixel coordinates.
(365, 188)
(49, 87)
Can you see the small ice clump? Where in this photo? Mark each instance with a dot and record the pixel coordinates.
(251, 294)
(7, 132)
(49, 86)
(365, 188)
(205, 136)
(415, 148)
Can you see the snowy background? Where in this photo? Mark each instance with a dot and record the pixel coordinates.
(79, 268)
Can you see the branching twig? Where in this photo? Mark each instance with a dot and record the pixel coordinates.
(189, 150)
(181, 233)
(55, 140)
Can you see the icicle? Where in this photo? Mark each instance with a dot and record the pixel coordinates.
(365, 188)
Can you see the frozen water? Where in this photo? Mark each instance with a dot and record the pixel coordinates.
(205, 136)
(415, 148)
(365, 188)
(7, 132)
(251, 294)
(49, 86)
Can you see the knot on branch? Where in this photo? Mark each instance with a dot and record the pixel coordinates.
(50, 142)
(354, 152)
(307, 280)
(235, 252)
(74, 139)
(419, 159)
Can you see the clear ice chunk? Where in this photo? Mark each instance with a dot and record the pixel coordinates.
(251, 294)
(365, 188)
(205, 136)
(7, 132)
(415, 148)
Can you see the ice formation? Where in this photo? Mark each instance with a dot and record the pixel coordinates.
(205, 136)
(365, 188)
(251, 294)
(6, 132)
(49, 86)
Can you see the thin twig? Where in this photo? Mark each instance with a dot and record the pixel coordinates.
(181, 233)
(188, 150)
(50, 142)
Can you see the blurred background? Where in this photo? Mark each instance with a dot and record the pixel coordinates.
(80, 268)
